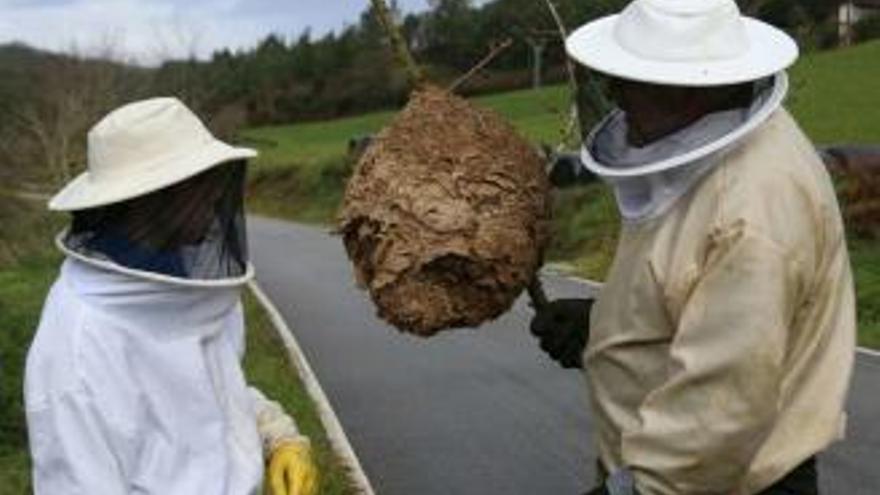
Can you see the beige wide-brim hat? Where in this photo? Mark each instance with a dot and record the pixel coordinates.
(141, 148)
(683, 43)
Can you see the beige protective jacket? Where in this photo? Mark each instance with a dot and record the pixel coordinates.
(722, 344)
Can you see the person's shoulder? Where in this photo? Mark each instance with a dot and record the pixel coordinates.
(778, 154)
(775, 183)
(71, 346)
(52, 369)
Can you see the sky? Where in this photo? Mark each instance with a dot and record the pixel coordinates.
(151, 30)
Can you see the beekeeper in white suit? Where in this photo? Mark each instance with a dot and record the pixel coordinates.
(721, 346)
(133, 381)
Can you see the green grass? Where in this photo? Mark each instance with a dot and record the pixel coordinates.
(585, 229)
(22, 289)
(268, 369)
(538, 114)
(310, 143)
(835, 94)
(310, 194)
(866, 262)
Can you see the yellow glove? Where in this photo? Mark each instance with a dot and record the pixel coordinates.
(292, 470)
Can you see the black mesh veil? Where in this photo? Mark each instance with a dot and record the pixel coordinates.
(191, 230)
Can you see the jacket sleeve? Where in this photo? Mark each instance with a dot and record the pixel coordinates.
(274, 425)
(71, 451)
(700, 429)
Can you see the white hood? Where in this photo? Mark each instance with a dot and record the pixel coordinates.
(166, 280)
(648, 180)
(137, 301)
(155, 368)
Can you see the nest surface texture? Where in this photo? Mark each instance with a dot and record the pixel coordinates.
(445, 217)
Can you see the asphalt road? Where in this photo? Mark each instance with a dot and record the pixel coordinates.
(475, 411)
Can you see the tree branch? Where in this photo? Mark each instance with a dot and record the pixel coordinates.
(493, 53)
(398, 44)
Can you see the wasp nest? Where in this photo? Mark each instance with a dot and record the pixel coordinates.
(446, 215)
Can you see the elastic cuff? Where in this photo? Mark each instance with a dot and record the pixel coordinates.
(281, 441)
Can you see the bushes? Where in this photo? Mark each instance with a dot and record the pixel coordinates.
(856, 170)
(26, 228)
(310, 193)
(867, 29)
(585, 229)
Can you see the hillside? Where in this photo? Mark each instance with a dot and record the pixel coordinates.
(834, 96)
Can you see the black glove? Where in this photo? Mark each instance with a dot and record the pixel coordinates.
(567, 170)
(562, 328)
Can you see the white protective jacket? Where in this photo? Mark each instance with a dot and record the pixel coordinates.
(722, 343)
(134, 385)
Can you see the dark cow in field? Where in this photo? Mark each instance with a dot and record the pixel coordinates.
(857, 172)
(357, 146)
(852, 158)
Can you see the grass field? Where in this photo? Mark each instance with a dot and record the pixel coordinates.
(22, 289)
(834, 96)
(302, 168)
(537, 114)
(24, 282)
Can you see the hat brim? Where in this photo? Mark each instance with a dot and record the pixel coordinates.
(770, 51)
(85, 192)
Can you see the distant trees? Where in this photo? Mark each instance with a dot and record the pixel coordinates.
(351, 71)
(812, 22)
(50, 100)
(50, 109)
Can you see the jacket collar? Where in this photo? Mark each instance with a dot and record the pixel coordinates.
(109, 265)
(648, 181)
(150, 305)
(682, 148)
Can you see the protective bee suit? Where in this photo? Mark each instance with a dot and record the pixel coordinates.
(133, 382)
(727, 313)
(722, 343)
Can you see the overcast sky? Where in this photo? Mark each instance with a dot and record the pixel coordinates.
(147, 29)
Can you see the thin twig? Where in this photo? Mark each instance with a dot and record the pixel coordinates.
(563, 34)
(600, 105)
(570, 129)
(493, 53)
(398, 44)
(574, 118)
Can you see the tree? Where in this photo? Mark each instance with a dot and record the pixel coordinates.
(66, 96)
(452, 34)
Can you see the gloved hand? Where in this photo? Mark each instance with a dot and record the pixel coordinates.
(562, 328)
(566, 170)
(292, 470)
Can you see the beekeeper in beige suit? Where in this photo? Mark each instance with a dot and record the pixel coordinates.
(721, 346)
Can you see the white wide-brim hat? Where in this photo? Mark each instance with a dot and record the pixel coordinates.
(683, 43)
(141, 148)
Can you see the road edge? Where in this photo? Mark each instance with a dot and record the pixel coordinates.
(562, 271)
(335, 433)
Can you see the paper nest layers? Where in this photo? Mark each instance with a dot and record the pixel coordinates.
(446, 215)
